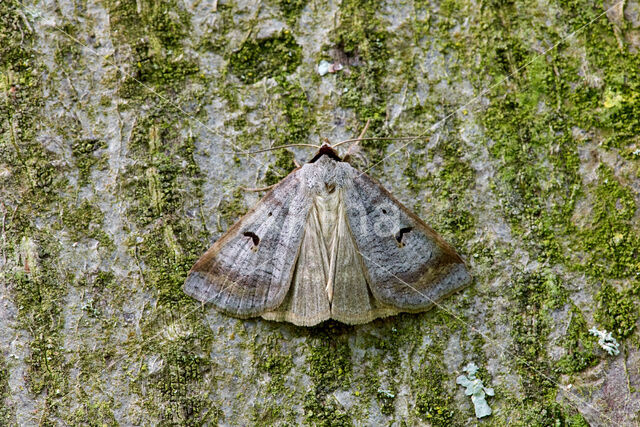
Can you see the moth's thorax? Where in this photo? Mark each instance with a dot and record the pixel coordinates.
(326, 179)
(326, 175)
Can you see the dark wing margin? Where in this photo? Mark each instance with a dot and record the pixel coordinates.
(409, 266)
(249, 269)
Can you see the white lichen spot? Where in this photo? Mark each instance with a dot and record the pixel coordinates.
(386, 393)
(606, 341)
(325, 67)
(476, 390)
(154, 364)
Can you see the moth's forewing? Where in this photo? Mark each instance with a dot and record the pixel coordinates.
(409, 265)
(249, 269)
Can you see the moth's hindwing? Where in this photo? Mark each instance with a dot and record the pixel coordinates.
(249, 269)
(409, 266)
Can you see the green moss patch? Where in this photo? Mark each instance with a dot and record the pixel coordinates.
(330, 368)
(551, 414)
(154, 31)
(85, 221)
(273, 56)
(38, 281)
(271, 359)
(329, 361)
(617, 312)
(84, 152)
(360, 38)
(163, 153)
(434, 402)
(291, 9)
(6, 413)
(535, 295)
(297, 120)
(181, 369)
(532, 130)
(30, 166)
(617, 108)
(611, 244)
(40, 298)
(327, 413)
(579, 345)
(92, 411)
(177, 384)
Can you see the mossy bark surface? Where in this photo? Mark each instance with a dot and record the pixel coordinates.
(119, 120)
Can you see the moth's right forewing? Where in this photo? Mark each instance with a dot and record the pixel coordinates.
(409, 265)
(249, 269)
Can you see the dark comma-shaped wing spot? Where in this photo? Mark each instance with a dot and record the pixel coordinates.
(409, 265)
(248, 270)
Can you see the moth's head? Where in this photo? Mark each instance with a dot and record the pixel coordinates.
(326, 150)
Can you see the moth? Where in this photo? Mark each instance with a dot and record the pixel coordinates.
(327, 242)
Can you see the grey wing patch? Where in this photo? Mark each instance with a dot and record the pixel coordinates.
(249, 269)
(409, 266)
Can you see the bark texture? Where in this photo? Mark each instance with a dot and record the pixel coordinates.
(121, 128)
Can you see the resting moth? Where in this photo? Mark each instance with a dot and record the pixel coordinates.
(327, 242)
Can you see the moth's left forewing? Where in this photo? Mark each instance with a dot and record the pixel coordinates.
(248, 270)
(409, 266)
